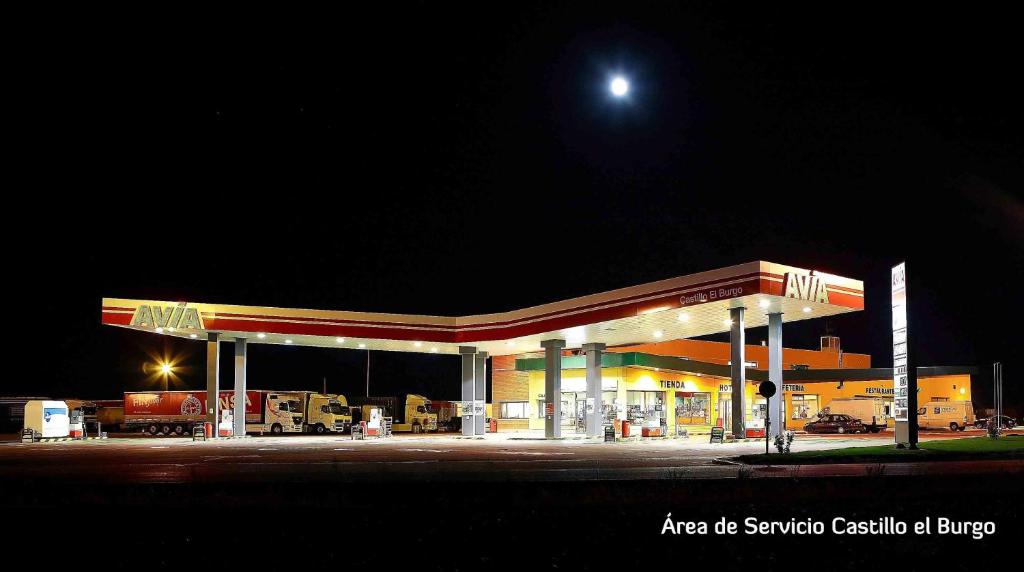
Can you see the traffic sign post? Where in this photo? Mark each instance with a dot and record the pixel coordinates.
(767, 390)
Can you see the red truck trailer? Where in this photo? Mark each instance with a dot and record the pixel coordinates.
(177, 412)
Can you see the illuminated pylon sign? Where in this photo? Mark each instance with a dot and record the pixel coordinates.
(181, 317)
(808, 287)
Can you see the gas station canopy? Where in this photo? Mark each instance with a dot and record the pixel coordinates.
(683, 307)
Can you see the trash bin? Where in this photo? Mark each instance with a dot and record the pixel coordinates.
(208, 429)
(625, 428)
(492, 427)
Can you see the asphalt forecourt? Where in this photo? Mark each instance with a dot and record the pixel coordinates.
(416, 458)
(474, 524)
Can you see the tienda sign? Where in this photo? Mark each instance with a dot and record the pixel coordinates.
(808, 287)
(181, 317)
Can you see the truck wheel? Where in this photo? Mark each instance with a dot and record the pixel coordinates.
(276, 429)
(954, 427)
(152, 429)
(179, 430)
(320, 429)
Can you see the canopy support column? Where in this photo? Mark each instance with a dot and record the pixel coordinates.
(778, 423)
(737, 340)
(241, 357)
(468, 356)
(553, 388)
(213, 380)
(594, 420)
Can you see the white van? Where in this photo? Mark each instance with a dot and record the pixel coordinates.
(952, 415)
(47, 418)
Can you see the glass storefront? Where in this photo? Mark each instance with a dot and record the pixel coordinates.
(693, 408)
(574, 412)
(725, 409)
(645, 408)
(608, 402)
(758, 412)
(805, 407)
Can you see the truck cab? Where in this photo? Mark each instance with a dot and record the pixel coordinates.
(284, 412)
(418, 414)
(327, 414)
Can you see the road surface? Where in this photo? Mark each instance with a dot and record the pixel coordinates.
(426, 458)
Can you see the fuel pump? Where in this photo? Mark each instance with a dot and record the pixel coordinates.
(76, 424)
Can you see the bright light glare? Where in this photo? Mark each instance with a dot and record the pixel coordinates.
(619, 87)
(657, 333)
(807, 309)
(261, 335)
(165, 368)
(684, 317)
(340, 340)
(764, 303)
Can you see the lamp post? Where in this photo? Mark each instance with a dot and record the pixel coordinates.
(165, 370)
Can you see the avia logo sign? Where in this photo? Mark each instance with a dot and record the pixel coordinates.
(808, 287)
(180, 316)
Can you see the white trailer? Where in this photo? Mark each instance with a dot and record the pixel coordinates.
(47, 418)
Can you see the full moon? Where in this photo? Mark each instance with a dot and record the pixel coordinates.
(619, 87)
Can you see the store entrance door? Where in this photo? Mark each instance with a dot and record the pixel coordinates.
(574, 412)
(725, 410)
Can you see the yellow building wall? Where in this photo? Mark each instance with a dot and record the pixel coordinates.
(938, 388)
(949, 387)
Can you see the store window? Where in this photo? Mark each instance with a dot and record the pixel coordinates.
(693, 409)
(515, 409)
(647, 407)
(805, 406)
(758, 413)
(608, 406)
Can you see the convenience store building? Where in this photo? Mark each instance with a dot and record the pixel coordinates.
(684, 385)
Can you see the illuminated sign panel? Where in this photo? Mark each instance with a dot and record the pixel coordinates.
(810, 287)
(900, 382)
(181, 317)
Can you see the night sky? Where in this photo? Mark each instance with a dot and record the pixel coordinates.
(433, 159)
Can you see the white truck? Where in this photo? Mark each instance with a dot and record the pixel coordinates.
(872, 412)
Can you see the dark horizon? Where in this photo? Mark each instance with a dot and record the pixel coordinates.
(407, 162)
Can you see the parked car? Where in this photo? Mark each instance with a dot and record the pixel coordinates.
(836, 423)
(1005, 421)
